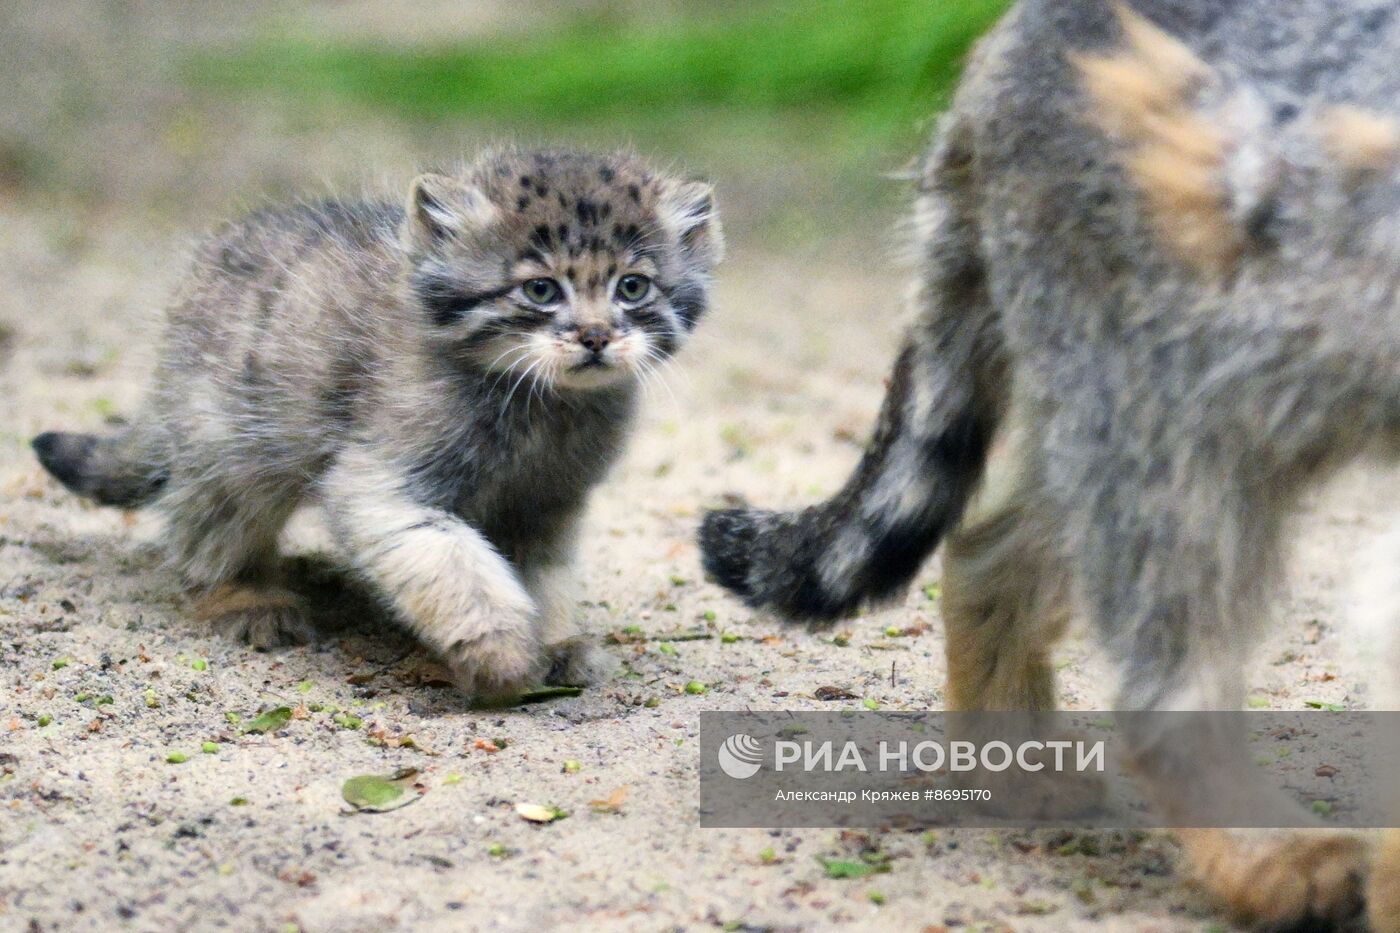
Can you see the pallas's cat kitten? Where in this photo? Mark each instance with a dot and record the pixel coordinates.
(448, 377)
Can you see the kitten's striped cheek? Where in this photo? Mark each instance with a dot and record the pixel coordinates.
(690, 301)
(450, 305)
(664, 332)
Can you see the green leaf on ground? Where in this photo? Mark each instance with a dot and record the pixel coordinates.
(844, 868)
(544, 694)
(373, 793)
(270, 721)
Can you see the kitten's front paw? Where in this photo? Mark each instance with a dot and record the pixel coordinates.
(578, 663)
(495, 665)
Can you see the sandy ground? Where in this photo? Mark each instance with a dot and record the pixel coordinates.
(104, 674)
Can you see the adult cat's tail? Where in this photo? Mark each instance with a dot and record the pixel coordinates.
(862, 545)
(926, 459)
(123, 469)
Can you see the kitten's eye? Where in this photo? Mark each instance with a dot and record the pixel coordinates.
(633, 287)
(541, 291)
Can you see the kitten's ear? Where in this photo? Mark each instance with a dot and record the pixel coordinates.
(687, 209)
(440, 207)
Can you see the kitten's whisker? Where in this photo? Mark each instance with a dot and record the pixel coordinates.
(644, 379)
(646, 374)
(506, 404)
(669, 364)
(521, 349)
(650, 360)
(536, 385)
(545, 381)
(510, 368)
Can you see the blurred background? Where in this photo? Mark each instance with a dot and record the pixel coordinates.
(127, 127)
(181, 112)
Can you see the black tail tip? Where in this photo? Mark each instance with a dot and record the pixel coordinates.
(44, 444)
(726, 548)
(64, 455)
(764, 558)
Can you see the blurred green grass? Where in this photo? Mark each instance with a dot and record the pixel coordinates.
(881, 65)
(888, 59)
(840, 88)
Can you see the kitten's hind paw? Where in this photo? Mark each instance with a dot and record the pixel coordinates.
(258, 616)
(578, 663)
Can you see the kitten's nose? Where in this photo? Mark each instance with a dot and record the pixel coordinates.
(595, 337)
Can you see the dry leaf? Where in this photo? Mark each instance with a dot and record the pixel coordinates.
(613, 802)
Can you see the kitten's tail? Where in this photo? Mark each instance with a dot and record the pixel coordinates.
(927, 456)
(124, 469)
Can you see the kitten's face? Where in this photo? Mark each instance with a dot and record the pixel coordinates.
(568, 270)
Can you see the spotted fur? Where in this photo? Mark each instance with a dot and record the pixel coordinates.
(384, 359)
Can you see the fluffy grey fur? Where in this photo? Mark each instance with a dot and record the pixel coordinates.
(448, 378)
(1168, 242)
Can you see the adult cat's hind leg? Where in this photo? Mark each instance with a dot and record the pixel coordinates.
(1004, 603)
(1383, 892)
(1177, 581)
